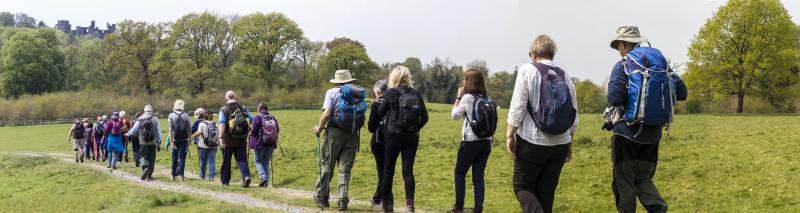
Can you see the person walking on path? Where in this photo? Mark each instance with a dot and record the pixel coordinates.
(134, 140)
(179, 132)
(539, 156)
(339, 146)
(378, 130)
(113, 140)
(234, 124)
(78, 135)
(634, 149)
(402, 135)
(199, 113)
(148, 130)
(126, 126)
(97, 131)
(102, 142)
(206, 150)
(474, 151)
(261, 141)
(88, 136)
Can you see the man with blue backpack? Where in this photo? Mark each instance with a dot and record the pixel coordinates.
(645, 88)
(343, 112)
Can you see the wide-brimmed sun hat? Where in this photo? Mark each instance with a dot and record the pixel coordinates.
(629, 33)
(115, 116)
(342, 76)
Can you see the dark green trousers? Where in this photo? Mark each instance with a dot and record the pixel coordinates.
(340, 148)
(634, 167)
(147, 158)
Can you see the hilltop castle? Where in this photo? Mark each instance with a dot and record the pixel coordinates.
(92, 31)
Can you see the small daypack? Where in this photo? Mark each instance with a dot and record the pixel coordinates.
(381, 131)
(410, 111)
(651, 88)
(116, 128)
(556, 113)
(238, 122)
(80, 132)
(180, 129)
(349, 113)
(99, 128)
(269, 130)
(484, 113)
(210, 136)
(147, 129)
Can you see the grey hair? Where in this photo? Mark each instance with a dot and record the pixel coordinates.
(147, 108)
(230, 95)
(198, 112)
(105, 117)
(381, 86)
(122, 114)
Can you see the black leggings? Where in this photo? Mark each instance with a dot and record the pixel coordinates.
(397, 144)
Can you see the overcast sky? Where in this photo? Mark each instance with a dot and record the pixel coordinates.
(498, 31)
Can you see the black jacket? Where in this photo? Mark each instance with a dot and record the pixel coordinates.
(391, 106)
(374, 120)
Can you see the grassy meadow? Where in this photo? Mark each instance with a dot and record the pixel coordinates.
(710, 163)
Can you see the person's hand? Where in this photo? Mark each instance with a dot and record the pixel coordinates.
(221, 143)
(460, 91)
(569, 154)
(511, 144)
(158, 149)
(317, 130)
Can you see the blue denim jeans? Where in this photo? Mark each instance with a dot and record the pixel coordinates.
(112, 159)
(179, 158)
(207, 157)
(262, 157)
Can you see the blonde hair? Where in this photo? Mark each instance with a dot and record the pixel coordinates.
(178, 105)
(400, 76)
(543, 47)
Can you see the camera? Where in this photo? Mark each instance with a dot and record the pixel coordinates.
(608, 117)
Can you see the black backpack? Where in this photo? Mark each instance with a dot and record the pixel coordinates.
(484, 114)
(410, 111)
(147, 129)
(99, 129)
(555, 114)
(180, 129)
(80, 132)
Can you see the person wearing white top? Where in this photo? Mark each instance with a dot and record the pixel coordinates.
(538, 156)
(473, 151)
(206, 153)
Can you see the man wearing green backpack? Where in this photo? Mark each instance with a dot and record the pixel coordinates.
(234, 127)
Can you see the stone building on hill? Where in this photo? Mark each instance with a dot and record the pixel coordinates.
(92, 30)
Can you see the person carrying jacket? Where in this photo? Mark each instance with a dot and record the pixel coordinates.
(400, 141)
(634, 149)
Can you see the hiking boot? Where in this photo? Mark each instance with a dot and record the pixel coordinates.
(223, 184)
(137, 163)
(76, 160)
(410, 205)
(126, 157)
(113, 167)
(149, 178)
(323, 202)
(456, 210)
(109, 166)
(81, 159)
(172, 177)
(144, 173)
(263, 182)
(246, 182)
(181, 177)
(342, 205)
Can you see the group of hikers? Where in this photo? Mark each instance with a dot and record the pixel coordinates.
(542, 121)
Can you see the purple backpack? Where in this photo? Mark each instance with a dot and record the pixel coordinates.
(555, 114)
(269, 130)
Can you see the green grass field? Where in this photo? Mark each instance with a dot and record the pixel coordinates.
(709, 164)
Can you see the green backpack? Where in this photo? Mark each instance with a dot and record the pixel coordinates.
(239, 123)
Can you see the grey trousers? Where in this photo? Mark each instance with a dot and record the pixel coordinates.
(340, 148)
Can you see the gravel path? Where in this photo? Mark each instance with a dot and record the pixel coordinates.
(230, 197)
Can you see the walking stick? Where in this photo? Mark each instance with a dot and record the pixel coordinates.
(188, 155)
(319, 165)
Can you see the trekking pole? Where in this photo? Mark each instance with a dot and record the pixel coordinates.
(279, 147)
(188, 155)
(319, 165)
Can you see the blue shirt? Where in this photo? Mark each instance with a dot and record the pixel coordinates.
(618, 96)
(224, 120)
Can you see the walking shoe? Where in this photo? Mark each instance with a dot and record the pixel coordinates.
(144, 173)
(149, 178)
(342, 205)
(410, 205)
(109, 166)
(386, 207)
(223, 184)
(113, 167)
(181, 177)
(246, 182)
(81, 159)
(263, 182)
(323, 202)
(126, 157)
(456, 210)
(172, 177)
(137, 163)
(76, 160)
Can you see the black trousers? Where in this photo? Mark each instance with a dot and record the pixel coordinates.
(473, 154)
(536, 172)
(634, 165)
(135, 147)
(378, 151)
(397, 145)
(239, 154)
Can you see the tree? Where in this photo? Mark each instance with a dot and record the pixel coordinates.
(137, 44)
(343, 40)
(353, 58)
(265, 45)
(479, 64)
(439, 81)
(23, 20)
(198, 38)
(28, 67)
(308, 54)
(501, 87)
(591, 98)
(41, 24)
(414, 65)
(100, 60)
(7, 19)
(747, 47)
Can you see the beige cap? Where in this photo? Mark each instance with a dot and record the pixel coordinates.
(342, 76)
(629, 33)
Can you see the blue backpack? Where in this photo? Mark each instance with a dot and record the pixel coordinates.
(349, 115)
(651, 88)
(556, 113)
